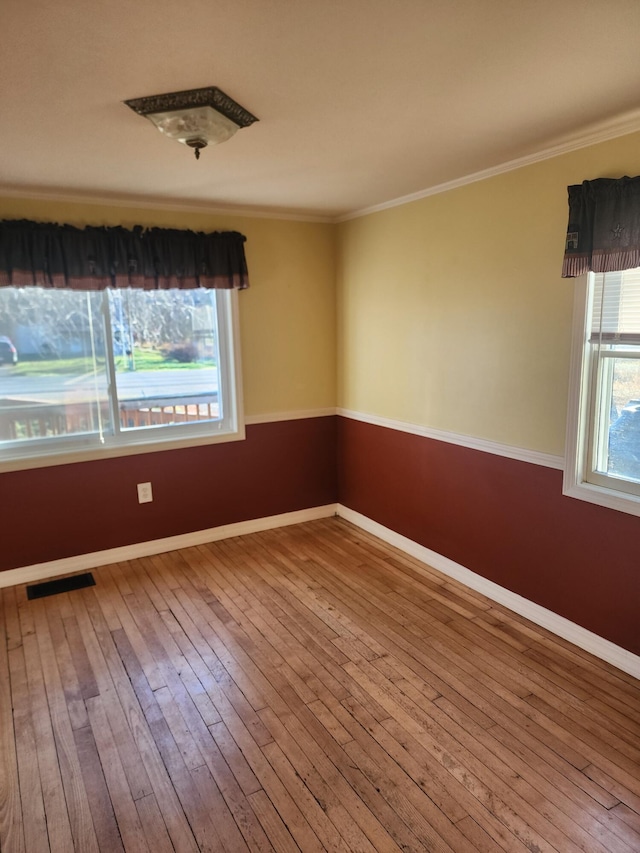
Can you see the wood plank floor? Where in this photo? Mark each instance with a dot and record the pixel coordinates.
(307, 688)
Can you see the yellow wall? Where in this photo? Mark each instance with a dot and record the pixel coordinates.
(287, 316)
(451, 310)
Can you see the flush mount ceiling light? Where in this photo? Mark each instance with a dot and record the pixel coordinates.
(197, 117)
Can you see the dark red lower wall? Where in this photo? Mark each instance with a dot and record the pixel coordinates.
(62, 511)
(503, 519)
(506, 520)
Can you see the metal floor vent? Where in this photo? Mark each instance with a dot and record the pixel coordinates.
(40, 590)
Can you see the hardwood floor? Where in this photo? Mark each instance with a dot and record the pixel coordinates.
(307, 688)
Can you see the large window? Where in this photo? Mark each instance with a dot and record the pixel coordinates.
(114, 371)
(603, 462)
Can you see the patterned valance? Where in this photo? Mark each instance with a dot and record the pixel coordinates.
(93, 258)
(604, 226)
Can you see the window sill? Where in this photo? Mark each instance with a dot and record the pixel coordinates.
(132, 448)
(602, 496)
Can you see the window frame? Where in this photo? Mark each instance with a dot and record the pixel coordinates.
(84, 449)
(582, 413)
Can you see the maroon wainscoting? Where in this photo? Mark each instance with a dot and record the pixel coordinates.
(503, 519)
(62, 511)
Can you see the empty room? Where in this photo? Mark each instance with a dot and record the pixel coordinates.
(320, 426)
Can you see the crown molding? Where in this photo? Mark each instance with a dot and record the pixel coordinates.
(594, 134)
(146, 202)
(604, 131)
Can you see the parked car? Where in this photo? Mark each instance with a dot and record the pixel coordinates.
(8, 353)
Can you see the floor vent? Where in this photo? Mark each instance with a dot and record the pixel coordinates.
(40, 590)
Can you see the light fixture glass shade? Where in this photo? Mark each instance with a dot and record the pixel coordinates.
(196, 123)
(195, 117)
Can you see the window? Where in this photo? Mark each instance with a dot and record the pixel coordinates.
(603, 439)
(115, 371)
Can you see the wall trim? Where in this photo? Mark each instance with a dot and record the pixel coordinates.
(628, 122)
(536, 457)
(301, 414)
(576, 634)
(150, 203)
(82, 562)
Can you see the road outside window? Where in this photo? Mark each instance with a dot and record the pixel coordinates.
(113, 368)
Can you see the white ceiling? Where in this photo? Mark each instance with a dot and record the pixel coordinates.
(360, 101)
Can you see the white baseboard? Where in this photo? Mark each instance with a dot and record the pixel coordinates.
(581, 637)
(82, 562)
(576, 634)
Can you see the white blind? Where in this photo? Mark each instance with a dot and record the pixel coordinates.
(616, 307)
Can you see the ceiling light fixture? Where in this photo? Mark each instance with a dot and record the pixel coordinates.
(197, 117)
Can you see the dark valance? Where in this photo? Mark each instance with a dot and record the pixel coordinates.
(604, 226)
(93, 258)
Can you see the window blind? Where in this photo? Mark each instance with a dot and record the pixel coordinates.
(616, 308)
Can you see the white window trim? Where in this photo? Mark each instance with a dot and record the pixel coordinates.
(574, 483)
(151, 442)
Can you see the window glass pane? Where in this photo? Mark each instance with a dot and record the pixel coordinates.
(165, 347)
(620, 409)
(52, 364)
(82, 370)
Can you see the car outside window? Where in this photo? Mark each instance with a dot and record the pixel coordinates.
(8, 353)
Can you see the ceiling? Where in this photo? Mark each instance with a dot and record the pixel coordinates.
(360, 102)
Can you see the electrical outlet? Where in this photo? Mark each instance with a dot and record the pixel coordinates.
(145, 495)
